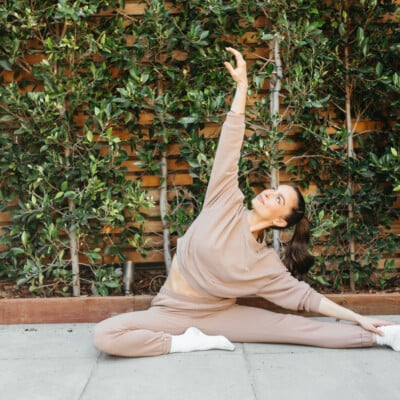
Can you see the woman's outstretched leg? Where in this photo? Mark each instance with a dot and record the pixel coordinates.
(164, 328)
(250, 324)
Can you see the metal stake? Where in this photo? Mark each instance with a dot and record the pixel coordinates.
(129, 277)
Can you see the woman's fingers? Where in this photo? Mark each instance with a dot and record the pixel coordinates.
(373, 325)
(236, 53)
(239, 72)
(374, 329)
(229, 67)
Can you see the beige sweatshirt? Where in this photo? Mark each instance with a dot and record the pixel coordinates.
(219, 256)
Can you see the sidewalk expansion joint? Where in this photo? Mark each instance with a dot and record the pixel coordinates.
(90, 375)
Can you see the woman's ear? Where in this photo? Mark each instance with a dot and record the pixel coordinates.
(280, 222)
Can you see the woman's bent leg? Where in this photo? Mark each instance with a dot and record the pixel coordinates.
(250, 324)
(148, 333)
(139, 333)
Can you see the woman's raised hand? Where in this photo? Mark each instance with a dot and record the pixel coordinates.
(239, 74)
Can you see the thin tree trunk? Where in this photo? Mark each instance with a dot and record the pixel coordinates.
(76, 286)
(164, 211)
(73, 239)
(164, 200)
(73, 244)
(350, 154)
(274, 111)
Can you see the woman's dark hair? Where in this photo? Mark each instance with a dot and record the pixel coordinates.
(297, 257)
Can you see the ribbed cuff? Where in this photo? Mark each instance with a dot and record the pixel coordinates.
(166, 344)
(367, 339)
(314, 302)
(233, 114)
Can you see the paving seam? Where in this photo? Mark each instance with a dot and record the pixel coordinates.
(90, 375)
(249, 372)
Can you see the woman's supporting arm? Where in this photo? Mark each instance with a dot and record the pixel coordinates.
(331, 309)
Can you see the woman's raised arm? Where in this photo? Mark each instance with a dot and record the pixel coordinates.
(224, 175)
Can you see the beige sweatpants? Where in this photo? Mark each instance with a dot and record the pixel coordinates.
(148, 332)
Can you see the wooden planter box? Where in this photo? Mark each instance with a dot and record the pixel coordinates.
(94, 309)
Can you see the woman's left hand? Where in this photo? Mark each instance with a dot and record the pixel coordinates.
(372, 324)
(239, 74)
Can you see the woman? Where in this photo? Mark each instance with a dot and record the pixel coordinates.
(220, 258)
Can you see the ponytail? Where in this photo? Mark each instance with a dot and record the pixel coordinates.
(297, 257)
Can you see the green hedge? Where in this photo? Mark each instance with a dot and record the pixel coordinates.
(65, 180)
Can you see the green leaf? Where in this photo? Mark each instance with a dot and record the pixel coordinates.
(267, 36)
(188, 120)
(22, 281)
(360, 34)
(144, 77)
(70, 194)
(17, 250)
(25, 238)
(395, 79)
(102, 290)
(6, 118)
(112, 284)
(379, 69)
(5, 65)
(89, 136)
(321, 280)
(342, 29)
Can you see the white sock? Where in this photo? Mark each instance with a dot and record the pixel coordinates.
(194, 340)
(391, 338)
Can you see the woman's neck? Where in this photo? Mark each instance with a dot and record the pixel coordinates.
(256, 226)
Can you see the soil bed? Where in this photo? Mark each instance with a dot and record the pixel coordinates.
(147, 281)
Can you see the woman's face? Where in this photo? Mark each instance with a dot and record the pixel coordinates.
(273, 205)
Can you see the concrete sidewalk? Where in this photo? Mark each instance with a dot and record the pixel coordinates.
(59, 362)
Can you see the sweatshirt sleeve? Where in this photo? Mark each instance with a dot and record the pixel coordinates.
(284, 290)
(224, 175)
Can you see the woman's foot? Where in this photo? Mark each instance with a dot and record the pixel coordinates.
(391, 336)
(195, 340)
